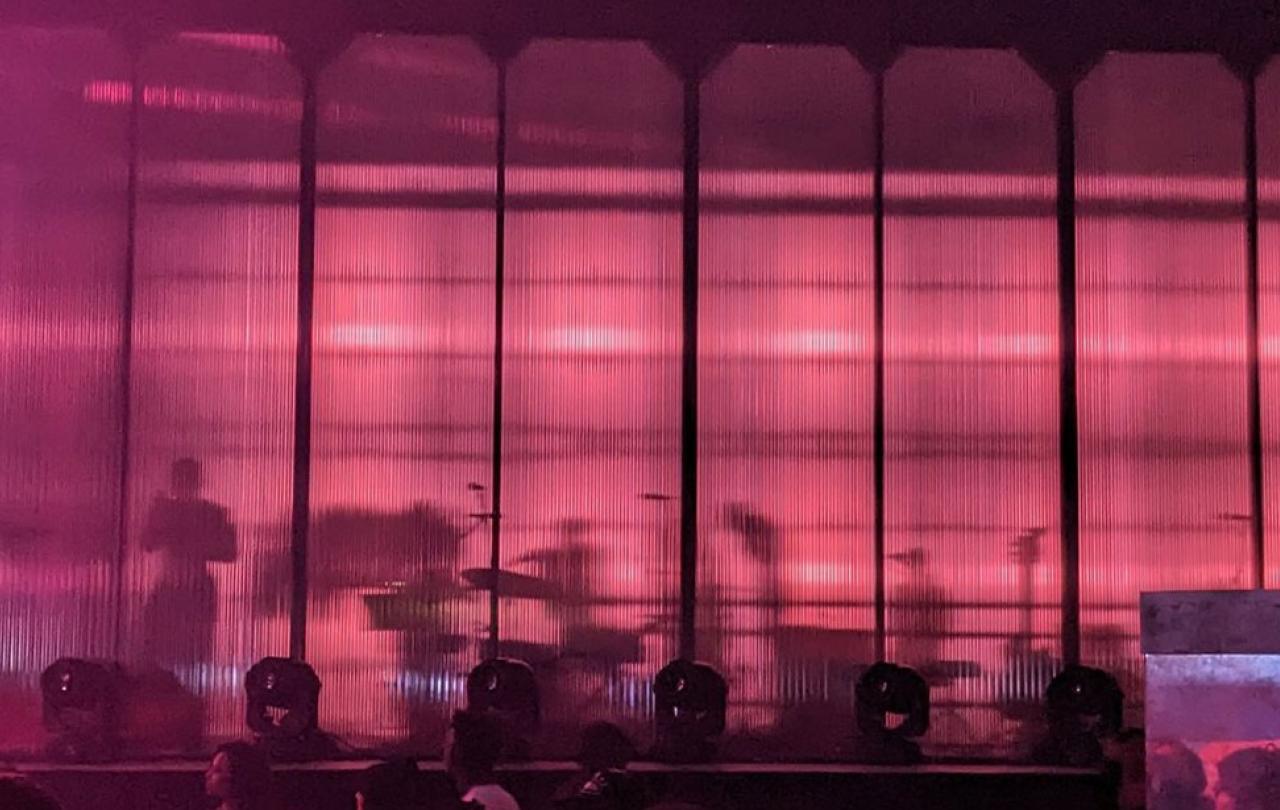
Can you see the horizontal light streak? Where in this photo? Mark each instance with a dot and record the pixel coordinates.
(666, 184)
(602, 338)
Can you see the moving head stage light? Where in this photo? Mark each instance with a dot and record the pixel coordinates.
(99, 710)
(691, 699)
(884, 693)
(506, 689)
(283, 700)
(81, 708)
(1083, 706)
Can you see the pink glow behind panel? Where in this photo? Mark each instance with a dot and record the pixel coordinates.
(786, 507)
(1269, 306)
(402, 383)
(213, 365)
(591, 397)
(63, 178)
(1162, 377)
(971, 390)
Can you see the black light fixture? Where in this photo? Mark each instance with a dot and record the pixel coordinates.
(507, 690)
(101, 710)
(81, 708)
(1083, 706)
(283, 701)
(691, 699)
(891, 707)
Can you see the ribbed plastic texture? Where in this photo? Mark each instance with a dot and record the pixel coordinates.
(211, 433)
(62, 259)
(403, 390)
(1164, 476)
(590, 457)
(971, 391)
(786, 507)
(192, 524)
(1268, 89)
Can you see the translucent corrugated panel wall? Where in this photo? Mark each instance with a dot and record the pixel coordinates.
(591, 425)
(402, 383)
(1268, 89)
(211, 428)
(1164, 479)
(146, 430)
(63, 181)
(785, 490)
(971, 391)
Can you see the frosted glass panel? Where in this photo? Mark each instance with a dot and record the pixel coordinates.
(590, 458)
(1164, 479)
(213, 368)
(63, 181)
(1269, 307)
(786, 499)
(402, 384)
(971, 391)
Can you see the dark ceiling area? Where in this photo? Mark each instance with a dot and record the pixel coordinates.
(1244, 28)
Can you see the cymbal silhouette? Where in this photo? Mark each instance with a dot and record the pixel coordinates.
(510, 584)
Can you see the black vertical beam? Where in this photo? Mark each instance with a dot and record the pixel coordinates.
(301, 522)
(689, 371)
(1256, 509)
(126, 343)
(877, 427)
(1068, 428)
(500, 239)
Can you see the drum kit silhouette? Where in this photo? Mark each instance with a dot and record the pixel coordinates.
(425, 607)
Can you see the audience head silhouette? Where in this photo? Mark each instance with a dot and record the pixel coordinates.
(605, 747)
(471, 753)
(391, 786)
(19, 794)
(239, 777)
(473, 746)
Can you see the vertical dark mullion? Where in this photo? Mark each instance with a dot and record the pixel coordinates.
(302, 383)
(689, 372)
(1069, 433)
(877, 429)
(500, 237)
(126, 344)
(1256, 509)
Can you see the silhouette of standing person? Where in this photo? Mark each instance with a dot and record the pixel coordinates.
(745, 612)
(187, 532)
(760, 541)
(918, 614)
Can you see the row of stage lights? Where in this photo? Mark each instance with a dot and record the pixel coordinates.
(85, 702)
